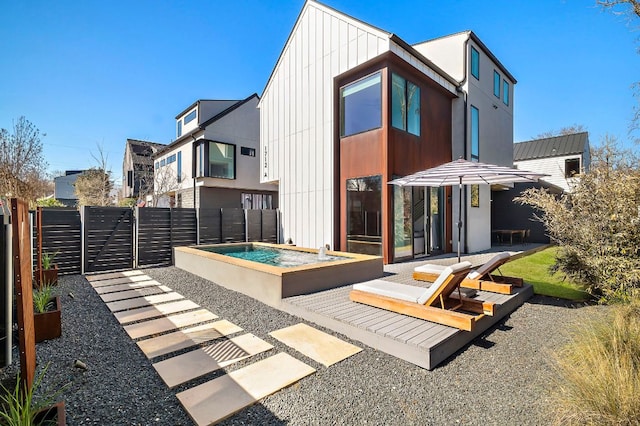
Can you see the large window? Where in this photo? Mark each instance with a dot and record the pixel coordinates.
(364, 215)
(405, 105)
(475, 63)
(361, 106)
(505, 92)
(402, 222)
(496, 84)
(216, 159)
(475, 134)
(190, 117)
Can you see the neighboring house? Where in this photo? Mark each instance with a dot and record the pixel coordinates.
(563, 158)
(214, 161)
(137, 167)
(348, 107)
(64, 189)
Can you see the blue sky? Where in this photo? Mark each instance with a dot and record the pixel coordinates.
(91, 73)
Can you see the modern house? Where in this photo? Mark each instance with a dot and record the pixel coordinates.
(64, 187)
(137, 167)
(348, 107)
(214, 161)
(563, 158)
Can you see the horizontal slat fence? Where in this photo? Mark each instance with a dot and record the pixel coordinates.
(116, 238)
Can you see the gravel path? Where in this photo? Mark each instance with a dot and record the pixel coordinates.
(501, 378)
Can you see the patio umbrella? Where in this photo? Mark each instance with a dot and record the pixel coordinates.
(463, 172)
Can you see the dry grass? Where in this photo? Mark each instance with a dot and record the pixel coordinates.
(598, 380)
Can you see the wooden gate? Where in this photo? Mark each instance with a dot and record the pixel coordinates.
(108, 238)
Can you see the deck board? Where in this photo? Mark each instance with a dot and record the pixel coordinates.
(418, 341)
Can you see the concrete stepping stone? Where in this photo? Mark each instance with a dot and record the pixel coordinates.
(317, 345)
(149, 312)
(137, 292)
(139, 302)
(99, 277)
(168, 323)
(224, 396)
(125, 287)
(182, 368)
(186, 338)
(123, 280)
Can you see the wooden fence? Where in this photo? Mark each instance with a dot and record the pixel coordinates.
(114, 238)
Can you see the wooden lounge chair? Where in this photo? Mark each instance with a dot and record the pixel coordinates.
(437, 303)
(479, 279)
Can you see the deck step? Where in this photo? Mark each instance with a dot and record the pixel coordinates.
(220, 398)
(172, 342)
(182, 368)
(168, 323)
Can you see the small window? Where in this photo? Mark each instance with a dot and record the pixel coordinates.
(157, 165)
(179, 128)
(190, 117)
(475, 63)
(475, 195)
(361, 106)
(179, 166)
(496, 84)
(405, 105)
(571, 167)
(475, 134)
(130, 178)
(163, 162)
(251, 152)
(505, 92)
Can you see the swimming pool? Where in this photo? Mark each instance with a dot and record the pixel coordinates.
(276, 256)
(270, 283)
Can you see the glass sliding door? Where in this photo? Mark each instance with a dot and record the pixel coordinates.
(364, 215)
(402, 222)
(436, 220)
(419, 221)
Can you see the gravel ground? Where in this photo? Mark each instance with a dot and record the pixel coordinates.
(501, 378)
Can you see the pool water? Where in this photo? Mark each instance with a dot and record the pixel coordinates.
(272, 256)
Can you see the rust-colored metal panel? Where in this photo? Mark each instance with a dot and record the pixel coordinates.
(22, 272)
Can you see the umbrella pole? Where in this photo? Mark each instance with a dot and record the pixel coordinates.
(459, 216)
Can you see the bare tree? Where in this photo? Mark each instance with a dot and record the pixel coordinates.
(22, 164)
(93, 187)
(567, 130)
(165, 182)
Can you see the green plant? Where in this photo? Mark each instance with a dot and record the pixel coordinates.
(47, 260)
(42, 298)
(19, 406)
(598, 380)
(48, 202)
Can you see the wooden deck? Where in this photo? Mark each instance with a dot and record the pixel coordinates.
(420, 342)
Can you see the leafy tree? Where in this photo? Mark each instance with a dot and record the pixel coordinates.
(597, 226)
(22, 164)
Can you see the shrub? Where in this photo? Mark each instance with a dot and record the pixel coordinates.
(597, 225)
(42, 298)
(598, 380)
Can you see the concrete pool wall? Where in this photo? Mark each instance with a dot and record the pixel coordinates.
(270, 284)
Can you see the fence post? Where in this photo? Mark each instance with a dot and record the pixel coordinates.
(197, 226)
(136, 235)
(171, 233)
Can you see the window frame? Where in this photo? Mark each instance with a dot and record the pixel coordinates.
(406, 106)
(179, 167)
(188, 118)
(345, 87)
(505, 92)
(204, 164)
(568, 161)
(475, 133)
(247, 151)
(179, 132)
(475, 63)
(497, 79)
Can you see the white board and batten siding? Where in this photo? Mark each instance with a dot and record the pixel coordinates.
(552, 166)
(296, 117)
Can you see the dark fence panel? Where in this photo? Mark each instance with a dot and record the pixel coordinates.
(62, 235)
(269, 220)
(254, 225)
(210, 226)
(108, 243)
(183, 227)
(154, 236)
(233, 226)
(6, 305)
